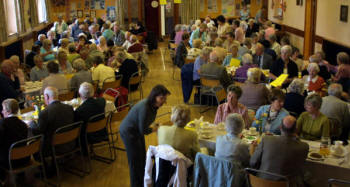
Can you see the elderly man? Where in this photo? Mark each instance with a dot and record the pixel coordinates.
(40, 40)
(101, 72)
(241, 72)
(12, 130)
(9, 88)
(55, 115)
(17, 70)
(90, 107)
(213, 70)
(336, 110)
(39, 71)
(284, 65)
(55, 79)
(274, 44)
(119, 35)
(135, 46)
(291, 152)
(262, 59)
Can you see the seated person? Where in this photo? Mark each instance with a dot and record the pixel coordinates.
(90, 107)
(344, 67)
(64, 45)
(203, 58)
(64, 66)
(101, 72)
(9, 88)
(182, 140)
(284, 155)
(181, 50)
(102, 44)
(72, 55)
(260, 96)
(12, 130)
(55, 79)
(284, 65)
(230, 146)
(30, 57)
(274, 44)
(220, 50)
(241, 72)
(213, 70)
(312, 124)
(81, 75)
(296, 57)
(262, 59)
(127, 68)
(200, 33)
(294, 102)
(233, 50)
(40, 40)
(268, 118)
(230, 39)
(232, 106)
(18, 71)
(323, 71)
(54, 116)
(211, 39)
(135, 46)
(39, 71)
(195, 50)
(313, 81)
(46, 51)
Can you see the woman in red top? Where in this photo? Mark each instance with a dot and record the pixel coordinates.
(313, 81)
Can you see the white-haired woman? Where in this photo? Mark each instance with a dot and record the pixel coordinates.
(294, 101)
(230, 146)
(195, 51)
(284, 65)
(184, 141)
(203, 58)
(313, 82)
(241, 72)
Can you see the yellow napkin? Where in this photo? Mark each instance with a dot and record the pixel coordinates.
(279, 81)
(162, 2)
(177, 1)
(235, 62)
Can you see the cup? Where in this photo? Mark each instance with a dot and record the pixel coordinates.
(324, 146)
(252, 130)
(337, 149)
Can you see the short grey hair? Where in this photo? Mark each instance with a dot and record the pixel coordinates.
(253, 75)
(286, 49)
(218, 42)
(206, 51)
(52, 92)
(315, 100)
(296, 86)
(313, 66)
(79, 64)
(343, 58)
(247, 58)
(335, 89)
(86, 90)
(234, 124)
(10, 106)
(180, 115)
(41, 35)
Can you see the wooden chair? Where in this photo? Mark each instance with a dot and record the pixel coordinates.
(107, 83)
(21, 150)
(116, 118)
(69, 95)
(63, 135)
(254, 181)
(211, 88)
(97, 123)
(135, 79)
(337, 183)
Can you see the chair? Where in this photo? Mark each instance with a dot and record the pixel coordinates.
(23, 149)
(63, 135)
(135, 79)
(211, 88)
(97, 123)
(337, 182)
(335, 128)
(107, 83)
(116, 118)
(69, 95)
(254, 181)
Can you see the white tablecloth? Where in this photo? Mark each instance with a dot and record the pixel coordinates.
(32, 88)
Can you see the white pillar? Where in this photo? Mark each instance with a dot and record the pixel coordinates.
(162, 19)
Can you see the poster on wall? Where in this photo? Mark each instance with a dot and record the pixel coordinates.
(201, 7)
(228, 7)
(111, 12)
(87, 13)
(87, 4)
(97, 4)
(212, 6)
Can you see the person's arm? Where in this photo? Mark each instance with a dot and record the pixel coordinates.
(143, 124)
(300, 124)
(246, 118)
(41, 125)
(218, 115)
(255, 160)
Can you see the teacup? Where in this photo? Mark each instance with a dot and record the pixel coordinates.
(252, 130)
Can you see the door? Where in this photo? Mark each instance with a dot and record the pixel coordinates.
(152, 16)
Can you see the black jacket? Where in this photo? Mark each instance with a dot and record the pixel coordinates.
(127, 68)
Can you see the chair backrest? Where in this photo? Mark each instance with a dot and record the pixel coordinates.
(96, 123)
(337, 183)
(135, 78)
(112, 84)
(119, 116)
(210, 82)
(66, 96)
(221, 95)
(25, 148)
(255, 181)
(66, 134)
(335, 127)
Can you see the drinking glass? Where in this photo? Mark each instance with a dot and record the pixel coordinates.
(324, 146)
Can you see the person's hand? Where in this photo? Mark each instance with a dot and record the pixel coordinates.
(155, 127)
(269, 133)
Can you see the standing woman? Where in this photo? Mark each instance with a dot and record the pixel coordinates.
(133, 128)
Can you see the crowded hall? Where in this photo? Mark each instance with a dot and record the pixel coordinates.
(183, 93)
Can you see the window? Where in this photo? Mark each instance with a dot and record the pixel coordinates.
(11, 12)
(42, 14)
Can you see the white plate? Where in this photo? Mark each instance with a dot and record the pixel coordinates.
(314, 158)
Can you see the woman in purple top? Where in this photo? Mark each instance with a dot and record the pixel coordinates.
(241, 73)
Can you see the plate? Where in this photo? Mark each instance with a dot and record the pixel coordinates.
(205, 136)
(252, 134)
(315, 156)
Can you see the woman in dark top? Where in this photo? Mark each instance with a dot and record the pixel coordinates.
(294, 101)
(181, 50)
(127, 68)
(133, 128)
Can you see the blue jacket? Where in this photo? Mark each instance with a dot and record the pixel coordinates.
(275, 124)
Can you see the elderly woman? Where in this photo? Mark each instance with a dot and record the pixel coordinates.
(294, 102)
(194, 52)
(233, 56)
(181, 50)
(312, 124)
(232, 106)
(313, 81)
(284, 65)
(223, 26)
(202, 59)
(64, 45)
(323, 70)
(184, 141)
(39, 71)
(55, 79)
(241, 72)
(230, 146)
(102, 45)
(46, 50)
(343, 68)
(255, 93)
(64, 66)
(269, 117)
(17, 69)
(211, 39)
(72, 53)
(81, 75)
(199, 33)
(179, 33)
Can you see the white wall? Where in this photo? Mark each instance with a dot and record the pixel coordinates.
(294, 16)
(328, 24)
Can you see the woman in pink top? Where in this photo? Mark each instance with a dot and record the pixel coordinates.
(232, 106)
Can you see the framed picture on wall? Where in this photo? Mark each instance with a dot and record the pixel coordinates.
(80, 13)
(93, 13)
(344, 13)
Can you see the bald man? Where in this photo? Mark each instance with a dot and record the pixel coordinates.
(214, 70)
(283, 155)
(9, 88)
(262, 59)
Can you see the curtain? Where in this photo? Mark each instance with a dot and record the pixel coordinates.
(3, 25)
(34, 20)
(120, 4)
(21, 19)
(189, 10)
(48, 7)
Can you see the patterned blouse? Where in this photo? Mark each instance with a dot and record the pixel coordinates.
(224, 110)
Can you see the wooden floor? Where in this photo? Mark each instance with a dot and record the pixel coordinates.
(117, 173)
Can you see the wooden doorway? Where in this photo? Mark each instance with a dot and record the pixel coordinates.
(152, 17)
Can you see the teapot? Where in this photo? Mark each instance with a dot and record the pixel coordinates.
(338, 148)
